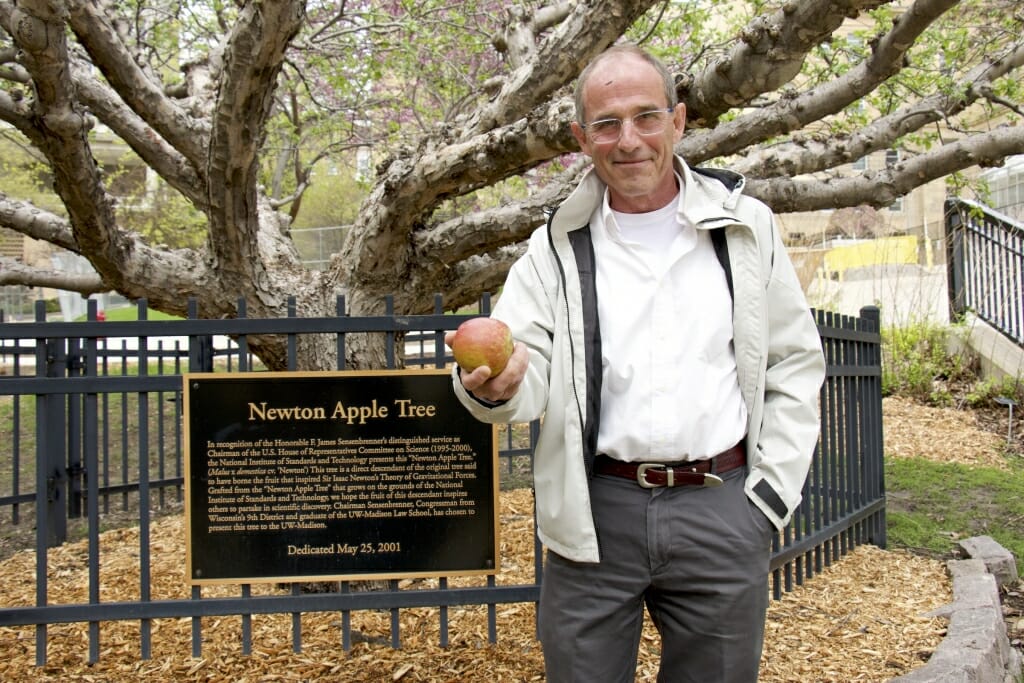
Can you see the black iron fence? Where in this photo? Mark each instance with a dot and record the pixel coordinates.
(94, 413)
(986, 266)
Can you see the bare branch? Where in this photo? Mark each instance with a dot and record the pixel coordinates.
(483, 231)
(880, 189)
(990, 95)
(771, 52)
(523, 29)
(411, 186)
(476, 274)
(31, 221)
(14, 272)
(10, 70)
(163, 158)
(591, 26)
(15, 112)
(62, 133)
(813, 154)
(145, 96)
(252, 62)
(789, 114)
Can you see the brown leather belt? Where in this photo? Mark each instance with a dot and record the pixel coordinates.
(657, 474)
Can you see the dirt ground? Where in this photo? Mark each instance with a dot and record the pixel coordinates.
(860, 620)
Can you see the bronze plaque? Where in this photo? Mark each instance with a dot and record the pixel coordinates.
(336, 476)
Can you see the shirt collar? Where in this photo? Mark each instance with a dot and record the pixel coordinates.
(608, 216)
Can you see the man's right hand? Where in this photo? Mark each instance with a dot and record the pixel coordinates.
(503, 386)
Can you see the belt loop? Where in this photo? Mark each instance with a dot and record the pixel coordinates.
(713, 465)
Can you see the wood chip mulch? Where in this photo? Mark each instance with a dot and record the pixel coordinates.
(913, 430)
(860, 620)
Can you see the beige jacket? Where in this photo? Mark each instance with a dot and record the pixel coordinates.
(549, 303)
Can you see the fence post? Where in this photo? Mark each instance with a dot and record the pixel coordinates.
(50, 439)
(200, 347)
(955, 280)
(872, 428)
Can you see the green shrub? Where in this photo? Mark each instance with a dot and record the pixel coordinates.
(916, 362)
(987, 391)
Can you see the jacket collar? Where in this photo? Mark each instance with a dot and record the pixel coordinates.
(709, 198)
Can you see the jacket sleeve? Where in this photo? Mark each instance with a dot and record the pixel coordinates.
(525, 305)
(795, 370)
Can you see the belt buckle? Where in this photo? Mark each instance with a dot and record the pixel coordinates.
(641, 475)
(709, 480)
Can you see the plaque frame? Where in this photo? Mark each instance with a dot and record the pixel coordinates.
(336, 476)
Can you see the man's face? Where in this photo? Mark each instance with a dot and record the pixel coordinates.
(637, 168)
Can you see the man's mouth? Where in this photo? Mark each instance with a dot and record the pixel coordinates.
(630, 162)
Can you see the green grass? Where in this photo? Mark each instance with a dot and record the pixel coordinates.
(933, 505)
(131, 313)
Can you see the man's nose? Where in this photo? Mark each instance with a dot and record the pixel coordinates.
(629, 138)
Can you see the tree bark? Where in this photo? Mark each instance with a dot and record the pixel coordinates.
(750, 105)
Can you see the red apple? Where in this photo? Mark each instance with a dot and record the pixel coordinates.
(482, 341)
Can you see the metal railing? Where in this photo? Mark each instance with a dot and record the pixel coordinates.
(95, 413)
(986, 266)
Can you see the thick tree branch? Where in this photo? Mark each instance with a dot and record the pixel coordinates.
(789, 114)
(591, 26)
(252, 62)
(61, 133)
(880, 189)
(15, 112)
(10, 70)
(143, 94)
(31, 221)
(16, 273)
(813, 154)
(179, 272)
(482, 231)
(771, 52)
(411, 186)
(519, 41)
(476, 274)
(179, 172)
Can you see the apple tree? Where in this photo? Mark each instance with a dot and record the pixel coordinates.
(453, 119)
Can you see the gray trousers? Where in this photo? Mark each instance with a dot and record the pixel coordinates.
(696, 557)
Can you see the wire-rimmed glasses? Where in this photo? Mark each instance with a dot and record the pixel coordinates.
(605, 131)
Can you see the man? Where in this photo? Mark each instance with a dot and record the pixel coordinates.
(662, 334)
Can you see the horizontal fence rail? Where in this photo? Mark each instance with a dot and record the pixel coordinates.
(95, 413)
(985, 260)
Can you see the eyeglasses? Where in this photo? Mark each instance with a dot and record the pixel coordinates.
(604, 131)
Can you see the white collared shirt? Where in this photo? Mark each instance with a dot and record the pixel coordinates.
(669, 390)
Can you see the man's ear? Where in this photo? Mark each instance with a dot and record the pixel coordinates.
(679, 120)
(581, 137)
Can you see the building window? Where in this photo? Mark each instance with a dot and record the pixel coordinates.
(860, 164)
(892, 157)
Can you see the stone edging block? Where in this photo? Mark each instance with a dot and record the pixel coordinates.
(976, 648)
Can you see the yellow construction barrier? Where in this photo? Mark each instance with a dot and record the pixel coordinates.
(864, 253)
